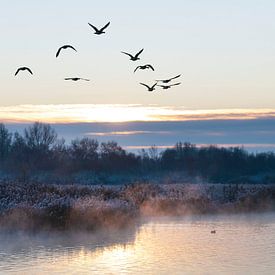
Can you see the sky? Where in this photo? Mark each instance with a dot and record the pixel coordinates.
(223, 49)
(255, 135)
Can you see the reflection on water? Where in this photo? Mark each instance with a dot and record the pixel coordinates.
(241, 245)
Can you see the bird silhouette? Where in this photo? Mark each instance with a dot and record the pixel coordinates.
(144, 67)
(213, 231)
(76, 78)
(134, 57)
(23, 69)
(150, 89)
(99, 31)
(166, 87)
(168, 80)
(64, 48)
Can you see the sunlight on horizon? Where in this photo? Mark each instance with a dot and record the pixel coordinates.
(114, 113)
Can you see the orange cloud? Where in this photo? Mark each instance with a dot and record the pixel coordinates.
(125, 133)
(199, 145)
(73, 113)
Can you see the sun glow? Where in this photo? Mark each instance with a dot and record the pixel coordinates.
(73, 113)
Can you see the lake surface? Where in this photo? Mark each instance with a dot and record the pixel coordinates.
(243, 244)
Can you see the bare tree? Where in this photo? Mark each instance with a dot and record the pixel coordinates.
(153, 153)
(84, 152)
(111, 148)
(20, 157)
(5, 142)
(40, 136)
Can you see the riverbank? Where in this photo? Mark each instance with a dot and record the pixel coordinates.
(75, 207)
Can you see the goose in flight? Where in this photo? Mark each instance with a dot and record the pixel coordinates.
(23, 69)
(76, 78)
(64, 48)
(99, 31)
(168, 80)
(144, 67)
(166, 87)
(150, 89)
(134, 57)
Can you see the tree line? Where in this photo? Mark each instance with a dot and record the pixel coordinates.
(39, 149)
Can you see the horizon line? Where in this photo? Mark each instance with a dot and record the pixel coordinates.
(119, 113)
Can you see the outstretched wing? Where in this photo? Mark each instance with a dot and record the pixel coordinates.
(29, 70)
(154, 85)
(58, 52)
(106, 26)
(145, 85)
(136, 56)
(175, 84)
(168, 80)
(175, 77)
(71, 47)
(18, 70)
(150, 66)
(136, 68)
(85, 79)
(95, 28)
(160, 80)
(68, 78)
(128, 54)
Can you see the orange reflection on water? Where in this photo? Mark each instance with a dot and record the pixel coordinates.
(241, 245)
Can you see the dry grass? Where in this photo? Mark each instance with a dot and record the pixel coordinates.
(38, 206)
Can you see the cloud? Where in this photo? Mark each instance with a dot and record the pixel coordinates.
(126, 133)
(254, 134)
(77, 113)
(248, 146)
(219, 114)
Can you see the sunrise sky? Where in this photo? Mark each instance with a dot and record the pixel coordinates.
(223, 49)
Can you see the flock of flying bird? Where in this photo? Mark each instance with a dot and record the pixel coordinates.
(165, 83)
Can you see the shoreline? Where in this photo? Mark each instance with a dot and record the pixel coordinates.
(36, 207)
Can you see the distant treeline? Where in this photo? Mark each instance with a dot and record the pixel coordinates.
(39, 150)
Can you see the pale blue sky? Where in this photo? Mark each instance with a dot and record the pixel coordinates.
(225, 49)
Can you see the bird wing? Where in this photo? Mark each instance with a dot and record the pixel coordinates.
(68, 78)
(69, 46)
(175, 77)
(95, 28)
(58, 52)
(85, 79)
(18, 70)
(139, 53)
(23, 68)
(128, 54)
(136, 68)
(106, 26)
(150, 66)
(154, 85)
(145, 85)
(64, 47)
(29, 70)
(175, 84)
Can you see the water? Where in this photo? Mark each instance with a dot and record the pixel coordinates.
(241, 245)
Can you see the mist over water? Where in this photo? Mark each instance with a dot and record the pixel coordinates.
(243, 244)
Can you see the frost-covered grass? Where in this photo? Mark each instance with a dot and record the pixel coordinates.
(75, 207)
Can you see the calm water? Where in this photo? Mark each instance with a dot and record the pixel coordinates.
(241, 245)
